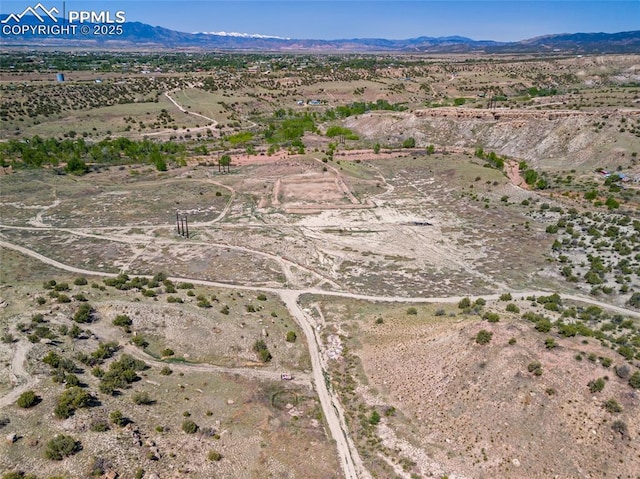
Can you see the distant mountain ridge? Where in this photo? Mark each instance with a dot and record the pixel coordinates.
(136, 35)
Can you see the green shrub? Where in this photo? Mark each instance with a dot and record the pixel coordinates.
(149, 293)
(626, 352)
(83, 314)
(214, 456)
(142, 398)
(543, 325)
(60, 447)
(17, 475)
(620, 427)
(491, 317)
(535, 367)
(374, 419)
(167, 352)
(189, 426)
(71, 399)
(117, 418)
(634, 380)
(634, 300)
(260, 347)
(597, 385)
(105, 351)
(166, 371)
(262, 297)
(204, 303)
(612, 406)
(123, 321)
(61, 287)
(550, 343)
(464, 303)
(139, 341)
(505, 297)
(409, 143)
(71, 380)
(28, 399)
(80, 281)
(99, 425)
(483, 337)
(121, 373)
(291, 337)
(63, 298)
(412, 311)
(512, 308)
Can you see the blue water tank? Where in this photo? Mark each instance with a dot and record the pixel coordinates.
(60, 77)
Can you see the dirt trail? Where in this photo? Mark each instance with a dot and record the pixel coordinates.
(254, 373)
(214, 123)
(169, 131)
(18, 374)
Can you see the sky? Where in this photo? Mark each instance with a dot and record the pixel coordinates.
(499, 20)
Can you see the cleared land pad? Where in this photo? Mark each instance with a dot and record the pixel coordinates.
(468, 410)
(300, 190)
(111, 198)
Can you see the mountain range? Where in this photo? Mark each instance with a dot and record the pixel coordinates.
(140, 36)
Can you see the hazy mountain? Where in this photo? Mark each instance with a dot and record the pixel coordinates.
(138, 35)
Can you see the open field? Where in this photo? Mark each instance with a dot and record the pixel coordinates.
(428, 249)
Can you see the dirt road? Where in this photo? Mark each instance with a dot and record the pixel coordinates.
(348, 454)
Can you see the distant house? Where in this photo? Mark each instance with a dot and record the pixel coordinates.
(314, 102)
